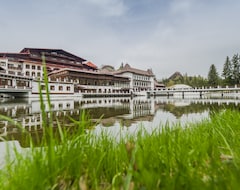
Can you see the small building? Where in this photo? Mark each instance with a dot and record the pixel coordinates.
(107, 68)
(140, 80)
(180, 87)
(158, 85)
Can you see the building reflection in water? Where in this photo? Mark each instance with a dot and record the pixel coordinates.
(112, 111)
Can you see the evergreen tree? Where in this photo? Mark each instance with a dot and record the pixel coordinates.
(185, 79)
(227, 72)
(235, 69)
(213, 78)
(170, 83)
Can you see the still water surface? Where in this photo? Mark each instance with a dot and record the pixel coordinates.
(125, 114)
(115, 113)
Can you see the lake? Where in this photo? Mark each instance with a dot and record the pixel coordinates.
(117, 114)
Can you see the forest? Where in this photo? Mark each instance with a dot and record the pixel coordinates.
(229, 76)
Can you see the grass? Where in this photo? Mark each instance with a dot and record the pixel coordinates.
(205, 155)
(202, 156)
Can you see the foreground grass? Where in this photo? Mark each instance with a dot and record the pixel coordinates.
(201, 156)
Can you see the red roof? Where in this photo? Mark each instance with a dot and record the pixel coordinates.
(90, 64)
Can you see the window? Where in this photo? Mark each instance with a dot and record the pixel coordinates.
(68, 88)
(38, 67)
(27, 73)
(38, 74)
(27, 66)
(60, 88)
(52, 87)
(33, 74)
(33, 66)
(10, 65)
(43, 87)
(3, 63)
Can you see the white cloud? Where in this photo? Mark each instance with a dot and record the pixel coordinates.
(110, 7)
(181, 6)
(175, 35)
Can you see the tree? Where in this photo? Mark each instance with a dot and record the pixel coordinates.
(235, 69)
(194, 81)
(227, 72)
(213, 78)
(170, 83)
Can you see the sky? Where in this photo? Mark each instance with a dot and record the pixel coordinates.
(163, 35)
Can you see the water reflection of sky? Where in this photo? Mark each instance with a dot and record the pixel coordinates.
(121, 116)
(159, 120)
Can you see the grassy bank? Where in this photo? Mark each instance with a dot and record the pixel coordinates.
(201, 156)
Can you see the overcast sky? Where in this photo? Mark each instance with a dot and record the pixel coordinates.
(164, 35)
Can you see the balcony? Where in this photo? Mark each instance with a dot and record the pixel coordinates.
(14, 68)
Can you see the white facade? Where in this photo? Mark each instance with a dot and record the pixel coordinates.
(54, 88)
(11, 67)
(21, 68)
(140, 81)
(33, 70)
(126, 81)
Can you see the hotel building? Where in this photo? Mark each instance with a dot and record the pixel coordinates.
(69, 74)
